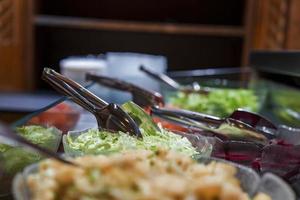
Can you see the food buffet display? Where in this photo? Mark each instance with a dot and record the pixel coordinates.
(141, 174)
(193, 142)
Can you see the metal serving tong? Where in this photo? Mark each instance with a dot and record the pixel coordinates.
(10, 135)
(108, 115)
(194, 87)
(141, 96)
(246, 123)
(253, 125)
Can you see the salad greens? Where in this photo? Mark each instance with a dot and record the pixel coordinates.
(287, 109)
(95, 141)
(38, 135)
(143, 120)
(288, 116)
(103, 142)
(4, 147)
(218, 102)
(16, 158)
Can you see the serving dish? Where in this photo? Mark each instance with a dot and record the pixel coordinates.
(211, 95)
(63, 116)
(201, 144)
(251, 183)
(280, 72)
(17, 157)
(225, 95)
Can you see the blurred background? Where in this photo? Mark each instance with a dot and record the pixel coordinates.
(191, 34)
(187, 35)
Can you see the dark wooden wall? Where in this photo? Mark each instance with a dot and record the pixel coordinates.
(191, 33)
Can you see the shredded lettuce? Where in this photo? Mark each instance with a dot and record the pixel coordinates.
(16, 158)
(37, 135)
(103, 142)
(154, 137)
(287, 109)
(219, 102)
(4, 147)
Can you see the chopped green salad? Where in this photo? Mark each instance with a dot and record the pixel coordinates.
(39, 135)
(218, 102)
(287, 109)
(16, 158)
(103, 142)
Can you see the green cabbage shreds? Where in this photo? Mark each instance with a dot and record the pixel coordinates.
(166, 139)
(4, 147)
(37, 135)
(103, 142)
(154, 137)
(219, 102)
(287, 109)
(16, 157)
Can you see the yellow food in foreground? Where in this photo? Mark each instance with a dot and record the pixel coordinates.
(136, 175)
(262, 196)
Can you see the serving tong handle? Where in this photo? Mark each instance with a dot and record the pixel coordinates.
(7, 133)
(107, 115)
(141, 96)
(194, 87)
(185, 114)
(161, 77)
(240, 119)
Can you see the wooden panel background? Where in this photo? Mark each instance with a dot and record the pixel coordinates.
(15, 45)
(271, 23)
(293, 26)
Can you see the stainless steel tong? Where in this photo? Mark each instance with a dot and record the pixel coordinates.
(250, 124)
(141, 96)
(108, 115)
(194, 87)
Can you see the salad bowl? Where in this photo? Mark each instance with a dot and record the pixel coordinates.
(14, 156)
(201, 145)
(251, 182)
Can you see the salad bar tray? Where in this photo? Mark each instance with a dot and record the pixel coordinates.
(210, 116)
